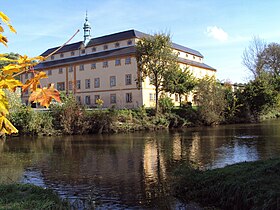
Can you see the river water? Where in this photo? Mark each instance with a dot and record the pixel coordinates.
(130, 171)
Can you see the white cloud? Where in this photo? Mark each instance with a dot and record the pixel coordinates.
(217, 33)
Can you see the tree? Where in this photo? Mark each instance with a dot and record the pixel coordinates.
(212, 102)
(9, 80)
(252, 57)
(260, 95)
(179, 82)
(155, 56)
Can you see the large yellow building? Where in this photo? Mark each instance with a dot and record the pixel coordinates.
(105, 67)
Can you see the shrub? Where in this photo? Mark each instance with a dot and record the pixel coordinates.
(70, 117)
(165, 104)
(31, 122)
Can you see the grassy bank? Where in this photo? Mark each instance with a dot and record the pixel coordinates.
(24, 196)
(248, 185)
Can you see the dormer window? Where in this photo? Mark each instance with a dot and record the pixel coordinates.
(61, 55)
(72, 53)
(52, 57)
(129, 42)
(117, 44)
(83, 51)
(93, 49)
(105, 47)
(187, 55)
(193, 57)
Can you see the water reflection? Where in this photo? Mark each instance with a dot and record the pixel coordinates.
(129, 171)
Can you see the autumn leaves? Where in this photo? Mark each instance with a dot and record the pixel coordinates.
(9, 80)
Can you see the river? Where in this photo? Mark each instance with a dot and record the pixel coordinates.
(130, 171)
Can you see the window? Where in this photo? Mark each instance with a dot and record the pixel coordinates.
(60, 70)
(81, 68)
(187, 55)
(129, 42)
(70, 68)
(26, 76)
(105, 64)
(87, 83)
(52, 57)
(112, 81)
(61, 55)
(152, 97)
(128, 97)
(60, 86)
(93, 49)
(113, 98)
(96, 82)
(193, 57)
(49, 72)
(83, 51)
(117, 62)
(127, 60)
(78, 99)
(93, 66)
(87, 100)
(96, 97)
(72, 53)
(117, 44)
(70, 85)
(78, 84)
(128, 79)
(105, 47)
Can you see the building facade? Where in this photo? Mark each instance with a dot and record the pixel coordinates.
(106, 68)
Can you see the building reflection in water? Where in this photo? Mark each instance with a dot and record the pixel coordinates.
(130, 170)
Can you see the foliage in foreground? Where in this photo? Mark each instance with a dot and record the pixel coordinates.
(11, 68)
(248, 185)
(24, 196)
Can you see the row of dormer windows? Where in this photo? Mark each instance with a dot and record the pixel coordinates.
(93, 49)
(188, 56)
(105, 64)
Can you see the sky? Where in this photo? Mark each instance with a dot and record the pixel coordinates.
(219, 29)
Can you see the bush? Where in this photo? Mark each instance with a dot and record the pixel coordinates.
(31, 122)
(70, 117)
(165, 104)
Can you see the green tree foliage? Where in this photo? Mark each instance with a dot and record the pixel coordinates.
(260, 95)
(179, 82)
(155, 56)
(212, 102)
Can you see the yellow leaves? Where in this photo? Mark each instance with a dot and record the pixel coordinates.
(3, 103)
(45, 95)
(3, 40)
(6, 20)
(21, 65)
(34, 82)
(6, 127)
(10, 84)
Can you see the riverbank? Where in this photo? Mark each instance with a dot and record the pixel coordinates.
(26, 196)
(247, 185)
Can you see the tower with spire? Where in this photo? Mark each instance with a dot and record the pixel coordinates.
(86, 28)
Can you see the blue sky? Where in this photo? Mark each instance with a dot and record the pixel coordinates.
(219, 29)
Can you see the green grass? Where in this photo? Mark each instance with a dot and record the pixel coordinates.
(248, 185)
(25, 196)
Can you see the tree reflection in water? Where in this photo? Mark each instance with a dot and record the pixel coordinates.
(130, 170)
